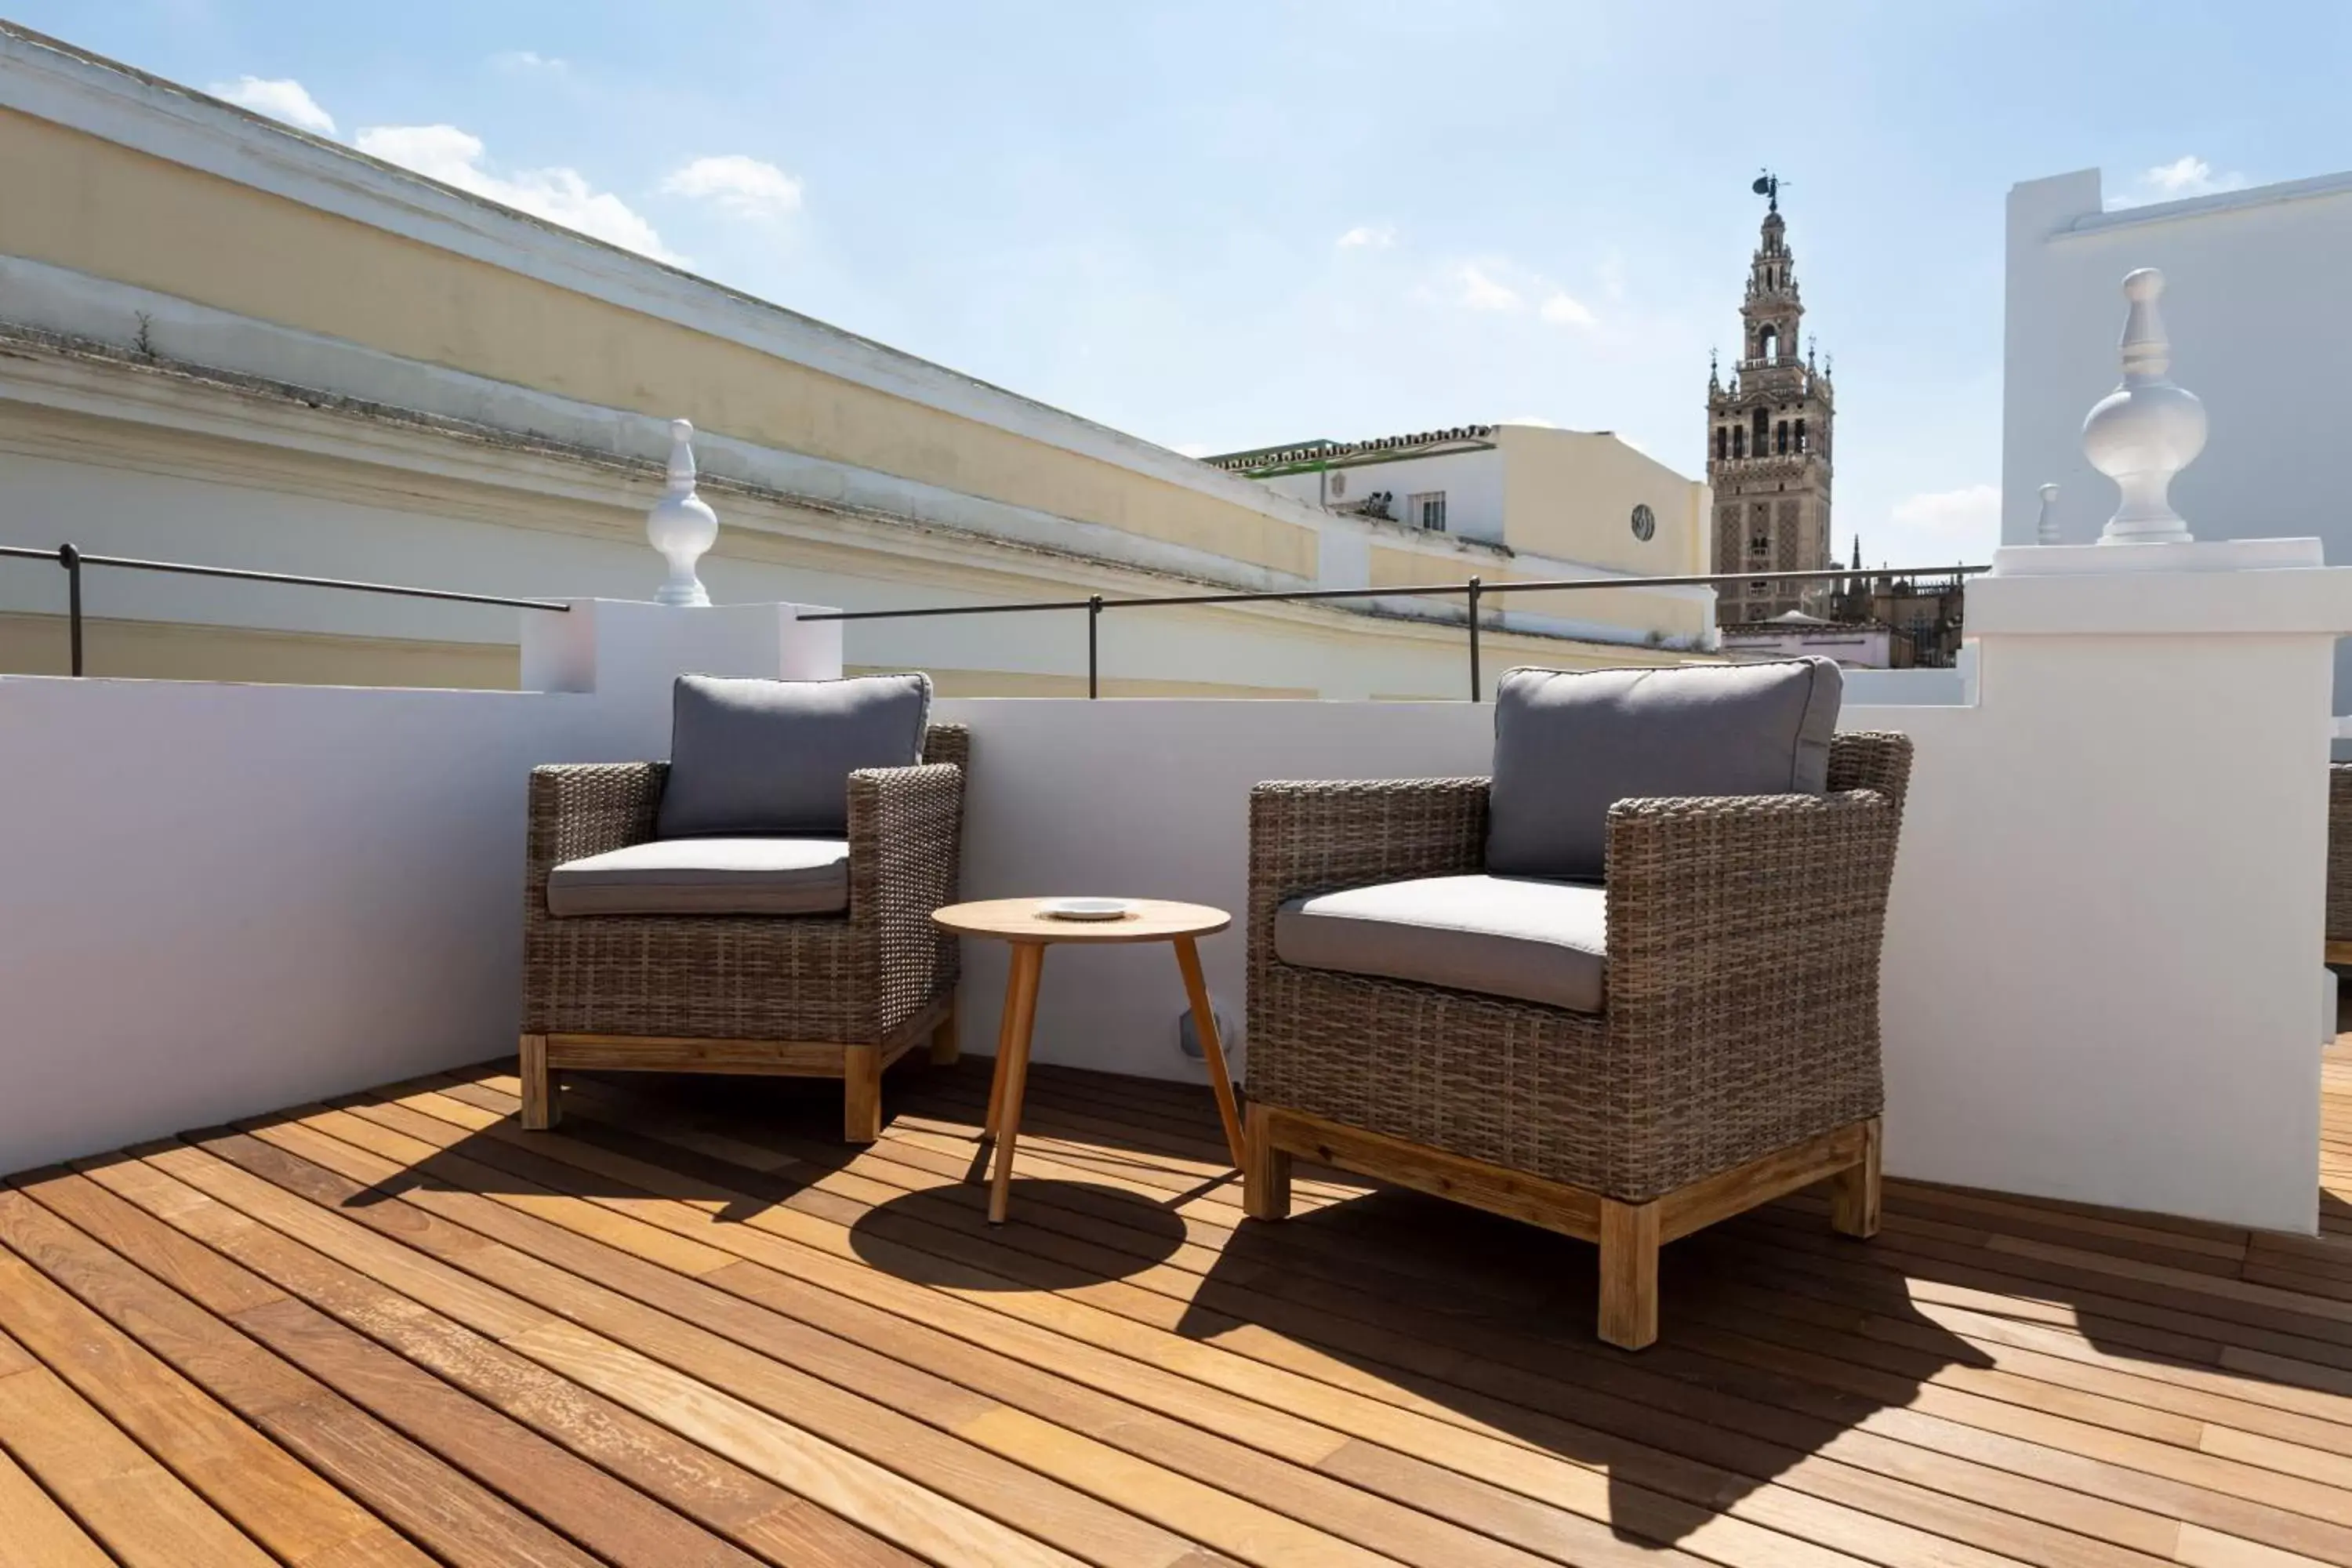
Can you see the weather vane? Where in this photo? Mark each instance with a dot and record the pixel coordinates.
(1767, 184)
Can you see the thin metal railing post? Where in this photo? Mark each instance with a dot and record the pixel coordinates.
(70, 557)
(1477, 685)
(1094, 657)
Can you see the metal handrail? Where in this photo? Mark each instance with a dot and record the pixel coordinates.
(72, 558)
(1474, 589)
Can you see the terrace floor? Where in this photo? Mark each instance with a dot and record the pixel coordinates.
(691, 1329)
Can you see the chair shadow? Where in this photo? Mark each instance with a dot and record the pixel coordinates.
(1778, 1337)
(1492, 1321)
(648, 1130)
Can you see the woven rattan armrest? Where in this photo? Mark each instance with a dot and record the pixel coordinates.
(905, 834)
(1752, 868)
(1309, 837)
(579, 809)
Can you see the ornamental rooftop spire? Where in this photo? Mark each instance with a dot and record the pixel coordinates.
(2147, 429)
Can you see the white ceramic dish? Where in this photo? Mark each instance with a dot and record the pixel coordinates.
(1086, 909)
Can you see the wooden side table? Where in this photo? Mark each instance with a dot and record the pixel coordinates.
(1023, 924)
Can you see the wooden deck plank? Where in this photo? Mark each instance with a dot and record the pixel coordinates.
(124, 1337)
(758, 1515)
(1702, 1436)
(1178, 1450)
(2023, 1467)
(2195, 1504)
(34, 1532)
(264, 1181)
(1570, 1487)
(1811, 1520)
(693, 1328)
(608, 1517)
(143, 1514)
(947, 1406)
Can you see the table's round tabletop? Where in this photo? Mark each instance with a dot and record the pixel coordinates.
(1024, 920)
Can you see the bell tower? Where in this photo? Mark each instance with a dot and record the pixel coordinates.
(1768, 441)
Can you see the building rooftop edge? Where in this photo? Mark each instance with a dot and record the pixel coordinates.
(2317, 186)
(839, 351)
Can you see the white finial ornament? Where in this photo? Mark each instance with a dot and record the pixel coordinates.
(2146, 430)
(682, 525)
(2045, 527)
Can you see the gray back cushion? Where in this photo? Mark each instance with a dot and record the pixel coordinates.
(776, 756)
(1571, 745)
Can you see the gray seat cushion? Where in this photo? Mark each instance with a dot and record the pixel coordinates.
(776, 756)
(1504, 936)
(1568, 746)
(707, 876)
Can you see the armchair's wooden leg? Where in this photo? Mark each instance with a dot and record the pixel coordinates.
(944, 1045)
(539, 1109)
(1265, 1170)
(861, 1093)
(1628, 1273)
(1853, 1192)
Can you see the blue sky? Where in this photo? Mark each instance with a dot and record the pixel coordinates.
(1225, 224)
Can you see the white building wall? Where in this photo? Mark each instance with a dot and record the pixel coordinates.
(2101, 976)
(1472, 480)
(1865, 648)
(2254, 299)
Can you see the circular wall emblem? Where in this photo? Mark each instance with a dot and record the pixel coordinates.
(1646, 523)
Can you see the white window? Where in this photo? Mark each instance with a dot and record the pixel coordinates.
(1427, 510)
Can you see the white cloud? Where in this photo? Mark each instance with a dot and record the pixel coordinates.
(1193, 448)
(283, 98)
(2184, 177)
(561, 195)
(742, 186)
(1537, 420)
(529, 60)
(1940, 520)
(1563, 309)
(1481, 292)
(1368, 236)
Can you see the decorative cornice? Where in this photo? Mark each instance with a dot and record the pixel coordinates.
(1321, 453)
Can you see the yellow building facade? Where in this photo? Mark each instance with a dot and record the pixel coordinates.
(225, 341)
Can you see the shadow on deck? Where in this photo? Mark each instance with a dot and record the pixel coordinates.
(691, 1327)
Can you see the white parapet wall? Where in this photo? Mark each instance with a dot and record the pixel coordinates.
(217, 899)
(2102, 962)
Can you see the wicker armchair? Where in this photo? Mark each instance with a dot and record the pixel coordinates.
(823, 997)
(2339, 863)
(1735, 1057)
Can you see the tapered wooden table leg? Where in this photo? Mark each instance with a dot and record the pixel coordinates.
(1012, 1068)
(1003, 1055)
(1212, 1048)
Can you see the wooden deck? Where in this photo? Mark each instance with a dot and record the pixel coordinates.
(689, 1329)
